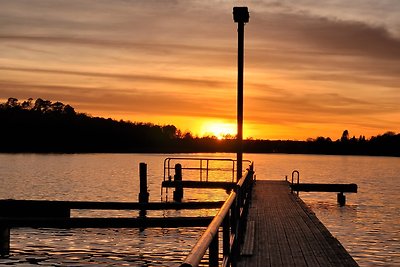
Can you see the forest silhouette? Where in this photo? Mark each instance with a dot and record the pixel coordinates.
(43, 126)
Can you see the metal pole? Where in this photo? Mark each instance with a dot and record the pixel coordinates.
(241, 16)
(240, 100)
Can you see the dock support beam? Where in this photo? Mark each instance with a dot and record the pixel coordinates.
(178, 193)
(4, 241)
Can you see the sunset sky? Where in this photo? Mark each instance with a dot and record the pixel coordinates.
(312, 68)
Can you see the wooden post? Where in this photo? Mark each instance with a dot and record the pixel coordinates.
(235, 213)
(178, 193)
(143, 195)
(226, 237)
(341, 199)
(4, 240)
(213, 252)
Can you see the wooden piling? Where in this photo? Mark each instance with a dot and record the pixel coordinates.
(341, 199)
(178, 193)
(4, 240)
(143, 194)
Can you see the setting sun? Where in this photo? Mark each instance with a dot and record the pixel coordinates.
(218, 129)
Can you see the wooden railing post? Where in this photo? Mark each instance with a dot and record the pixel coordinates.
(226, 237)
(235, 227)
(232, 230)
(231, 217)
(213, 252)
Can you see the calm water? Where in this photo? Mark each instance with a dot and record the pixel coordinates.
(368, 226)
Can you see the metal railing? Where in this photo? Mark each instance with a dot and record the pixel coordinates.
(298, 180)
(202, 165)
(232, 218)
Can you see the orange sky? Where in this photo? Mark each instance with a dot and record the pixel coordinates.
(312, 68)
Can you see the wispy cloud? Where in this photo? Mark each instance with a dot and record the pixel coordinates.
(129, 101)
(121, 76)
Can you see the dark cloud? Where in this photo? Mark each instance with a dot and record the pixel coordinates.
(352, 38)
(130, 77)
(305, 36)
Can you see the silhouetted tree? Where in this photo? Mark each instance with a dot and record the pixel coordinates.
(27, 104)
(170, 131)
(345, 136)
(42, 105)
(12, 103)
(57, 107)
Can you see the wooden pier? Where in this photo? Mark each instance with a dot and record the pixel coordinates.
(261, 223)
(283, 231)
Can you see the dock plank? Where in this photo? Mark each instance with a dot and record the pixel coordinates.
(287, 232)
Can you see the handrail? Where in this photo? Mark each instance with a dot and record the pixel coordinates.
(232, 217)
(198, 251)
(298, 180)
(201, 168)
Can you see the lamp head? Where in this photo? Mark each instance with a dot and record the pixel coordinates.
(241, 14)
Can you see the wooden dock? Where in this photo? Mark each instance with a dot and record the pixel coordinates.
(283, 231)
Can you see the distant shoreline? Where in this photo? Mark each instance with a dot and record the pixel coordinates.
(193, 152)
(46, 127)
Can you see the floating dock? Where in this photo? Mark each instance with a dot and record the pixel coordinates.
(283, 231)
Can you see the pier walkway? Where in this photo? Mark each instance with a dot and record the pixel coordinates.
(282, 231)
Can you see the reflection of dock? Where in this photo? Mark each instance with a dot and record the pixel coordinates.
(284, 232)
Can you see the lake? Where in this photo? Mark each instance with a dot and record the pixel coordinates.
(368, 226)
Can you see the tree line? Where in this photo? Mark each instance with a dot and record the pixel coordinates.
(43, 126)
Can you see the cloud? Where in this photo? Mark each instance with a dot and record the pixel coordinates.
(382, 14)
(315, 35)
(321, 108)
(304, 49)
(132, 101)
(120, 76)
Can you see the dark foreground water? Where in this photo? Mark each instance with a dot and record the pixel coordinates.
(368, 226)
